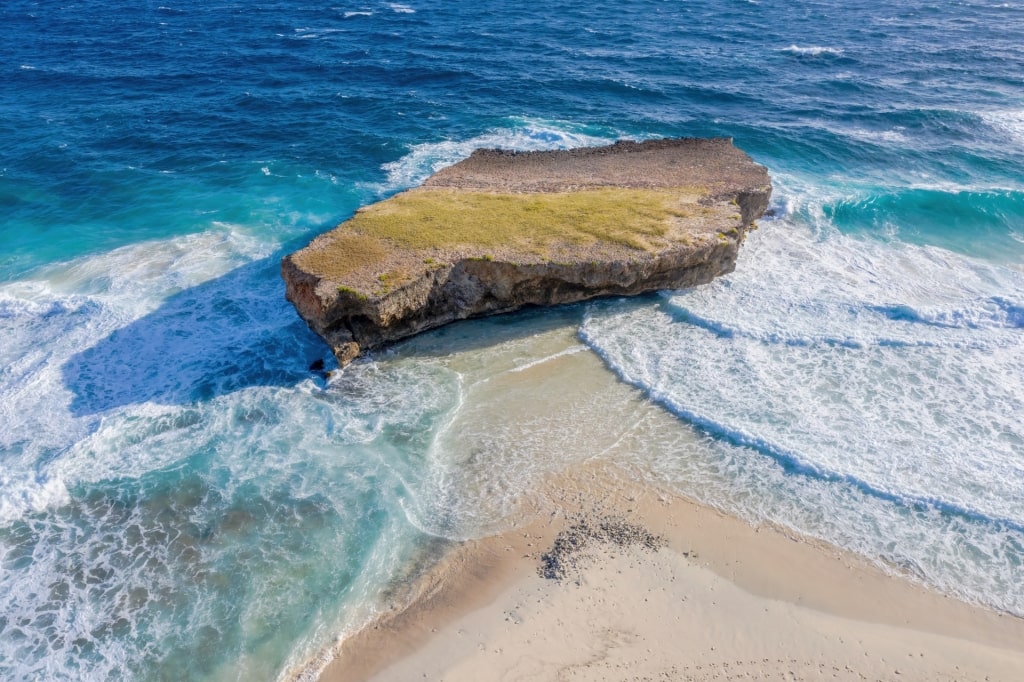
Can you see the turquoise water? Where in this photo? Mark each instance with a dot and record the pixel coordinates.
(180, 498)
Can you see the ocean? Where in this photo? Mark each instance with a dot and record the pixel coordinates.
(182, 499)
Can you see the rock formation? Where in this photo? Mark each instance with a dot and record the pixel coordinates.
(502, 230)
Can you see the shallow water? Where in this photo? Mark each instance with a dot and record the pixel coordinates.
(171, 474)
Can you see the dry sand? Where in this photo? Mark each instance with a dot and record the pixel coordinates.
(720, 601)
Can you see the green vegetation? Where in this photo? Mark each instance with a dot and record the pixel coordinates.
(393, 279)
(340, 253)
(425, 219)
(352, 292)
(487, 223)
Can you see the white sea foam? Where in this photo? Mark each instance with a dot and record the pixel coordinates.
(275, 463)
(92, 563)
(895, 136)
(31, 493)
(975, 561)
(66, 309)
(572, 350)
(522, 134)
(400, 8)
(364, 13)
(1008, 122)
(869, 341)
(121, 369)
(312, 33)
(882, 380)
(812, 50)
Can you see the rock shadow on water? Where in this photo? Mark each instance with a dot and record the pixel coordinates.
(237, 331)
(230, 333)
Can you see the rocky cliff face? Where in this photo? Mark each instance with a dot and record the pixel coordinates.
(361, 286)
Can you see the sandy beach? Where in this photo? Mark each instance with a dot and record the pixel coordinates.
(714, 599)
(607, 575)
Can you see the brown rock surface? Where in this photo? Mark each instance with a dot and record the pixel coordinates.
(360, 287)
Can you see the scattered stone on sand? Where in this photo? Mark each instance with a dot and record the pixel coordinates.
(569, 552)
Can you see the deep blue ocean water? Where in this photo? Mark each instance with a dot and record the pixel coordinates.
(181, 499)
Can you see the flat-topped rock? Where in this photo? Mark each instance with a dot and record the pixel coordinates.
(712, 164)
(501, 230)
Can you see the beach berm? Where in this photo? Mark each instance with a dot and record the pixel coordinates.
(502, 230)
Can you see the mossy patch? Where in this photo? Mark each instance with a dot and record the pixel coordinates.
(376, 244)
(393, 279)
(349, 291)
(341, 252)
(430, 219)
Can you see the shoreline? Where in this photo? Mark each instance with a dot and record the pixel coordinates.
(720, 600)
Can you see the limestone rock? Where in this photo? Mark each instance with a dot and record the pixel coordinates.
(502, 230)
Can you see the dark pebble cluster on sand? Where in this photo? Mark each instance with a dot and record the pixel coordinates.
(566, 553)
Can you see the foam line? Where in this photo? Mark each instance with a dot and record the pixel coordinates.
(813, 50)
(523, 134)
(791, 461)
(540, 361)
(723, 330)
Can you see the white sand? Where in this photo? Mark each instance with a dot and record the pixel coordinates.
(722, 602)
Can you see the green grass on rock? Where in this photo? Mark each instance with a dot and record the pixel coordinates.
(439, 219)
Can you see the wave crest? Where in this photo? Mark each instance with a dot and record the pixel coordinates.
(812, 50)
